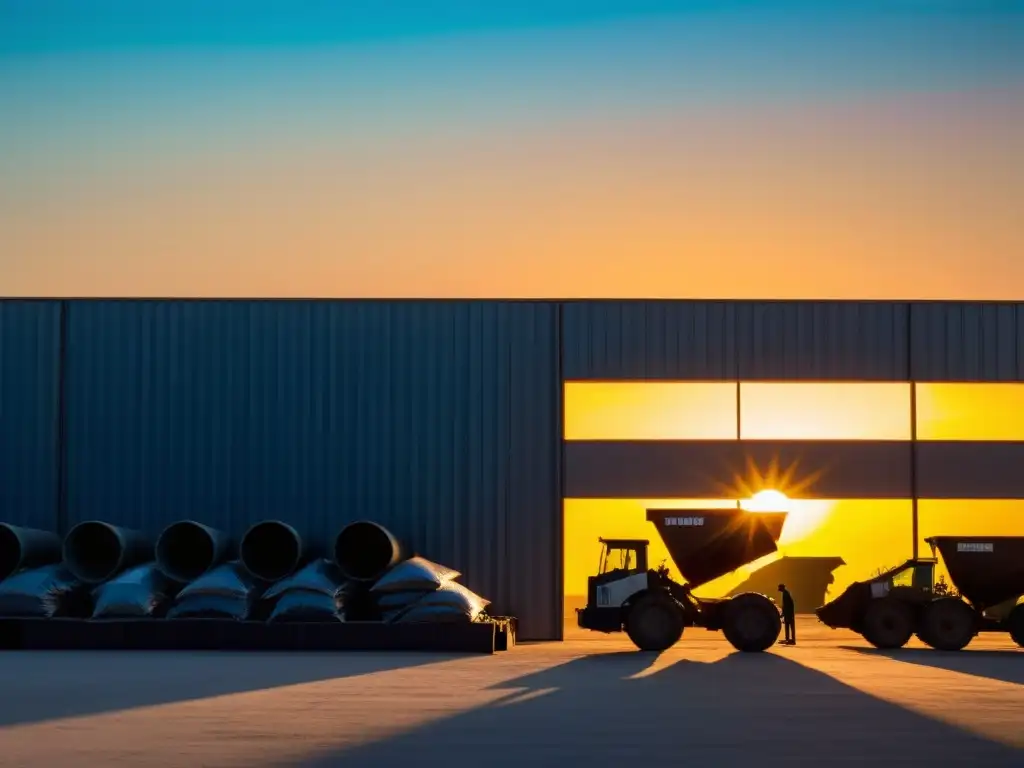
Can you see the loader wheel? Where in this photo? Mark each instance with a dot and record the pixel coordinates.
(1015, 622)
(948, 624)
(654, 623)
(888, 624)
(751, 623)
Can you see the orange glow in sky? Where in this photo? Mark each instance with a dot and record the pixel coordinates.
(902, 197)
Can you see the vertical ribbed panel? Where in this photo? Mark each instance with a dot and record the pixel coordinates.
(437, 419)
(822, 340)
(728, 340)
(956, 341)
(649, 340)
(29, 382)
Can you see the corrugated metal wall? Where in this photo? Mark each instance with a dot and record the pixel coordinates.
(967, 341)
(29, 387)
(730, 340)
(441, 419)
(951, 341)
(437, 419)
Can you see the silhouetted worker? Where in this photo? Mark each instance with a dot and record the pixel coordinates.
(788, 615)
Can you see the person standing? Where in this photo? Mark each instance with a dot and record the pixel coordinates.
(788, 615)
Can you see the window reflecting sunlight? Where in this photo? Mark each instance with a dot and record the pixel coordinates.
(632, 410)
(970, 411)
(825, 411)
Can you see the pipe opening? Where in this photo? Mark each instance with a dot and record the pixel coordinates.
(271, 550)
(364, 550)
(93, 551)
(10, 552)
(185, 551)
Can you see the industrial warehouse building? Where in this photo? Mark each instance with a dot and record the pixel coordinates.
(496, 435)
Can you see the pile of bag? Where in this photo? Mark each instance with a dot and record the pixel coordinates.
(225, 592)
(44, 593)
(415, 590)
(315, 593)
(418, 590)
(140, 592)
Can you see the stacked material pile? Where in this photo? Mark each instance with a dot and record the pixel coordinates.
(225, 592)
(315, 593)
(418, 590)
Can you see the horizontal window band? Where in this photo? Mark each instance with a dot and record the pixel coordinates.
(801, 469)
(792, 410)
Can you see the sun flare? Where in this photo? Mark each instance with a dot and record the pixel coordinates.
(803, 518)
(767, 501)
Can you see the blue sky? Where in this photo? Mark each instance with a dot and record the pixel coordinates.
(63, 25)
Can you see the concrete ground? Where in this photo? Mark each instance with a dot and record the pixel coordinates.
(592, 700)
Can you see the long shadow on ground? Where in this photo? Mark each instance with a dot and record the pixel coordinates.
(1005, 665)
(759, 710)
(45, 685)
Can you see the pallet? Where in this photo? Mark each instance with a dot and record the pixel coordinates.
(227, 635)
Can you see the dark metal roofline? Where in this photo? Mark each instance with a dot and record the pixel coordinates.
(520, 300)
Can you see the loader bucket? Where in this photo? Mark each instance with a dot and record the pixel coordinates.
(987, 570)
(708, 543)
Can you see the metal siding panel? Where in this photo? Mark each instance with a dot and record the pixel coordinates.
(433, 418)
(720, 469)
(822, 340)
(29, 387)
(963, 341)
(970, 470)
(534, 481)
(196, 409)
(649, 340)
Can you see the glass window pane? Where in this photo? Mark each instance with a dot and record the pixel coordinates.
(970, 411)
(824, 411)
(650, 411)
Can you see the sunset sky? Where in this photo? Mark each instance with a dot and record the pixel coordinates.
(561, 148)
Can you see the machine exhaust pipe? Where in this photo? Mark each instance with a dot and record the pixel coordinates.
(187, 549)
(22, 548)
(364, 550)
(271, 550)
(95, 551)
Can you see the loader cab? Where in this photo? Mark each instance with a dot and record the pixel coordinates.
(917, 575)
(621, 572)
(622, 556)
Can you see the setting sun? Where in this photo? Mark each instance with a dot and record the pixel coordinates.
(767, 501)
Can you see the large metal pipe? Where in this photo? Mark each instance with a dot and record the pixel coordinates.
(271, 550)
(186, 550)
(22, 548)
(364, 550)
(95, 551)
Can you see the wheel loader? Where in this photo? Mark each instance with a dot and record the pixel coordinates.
(654, 609)
(894, 606)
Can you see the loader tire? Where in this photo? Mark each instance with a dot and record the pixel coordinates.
(655, 622)
(1015, 623)
(751, 623)
(948, 624)
(888, 624)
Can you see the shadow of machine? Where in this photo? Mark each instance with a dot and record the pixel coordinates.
(806, 578)
(887, 610)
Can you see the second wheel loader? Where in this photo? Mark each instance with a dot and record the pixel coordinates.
(894, 606)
